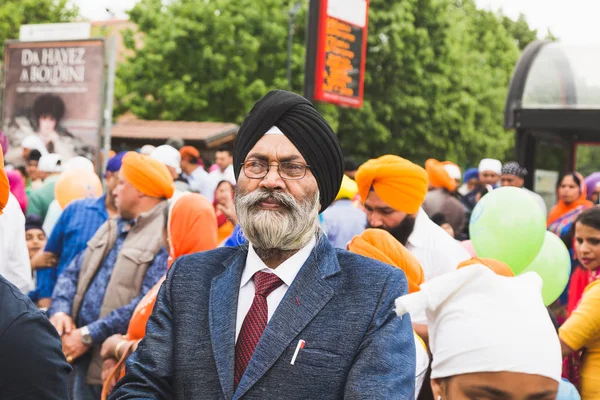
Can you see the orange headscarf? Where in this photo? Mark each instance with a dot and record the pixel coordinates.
(438, 176)
(188, 152)
(497, 266)
(4, 186)
(381, 245)
(192, 225)
(561, 208)
(149, 176)
(399, 182)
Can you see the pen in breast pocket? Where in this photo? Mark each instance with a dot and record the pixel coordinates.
(300, 345)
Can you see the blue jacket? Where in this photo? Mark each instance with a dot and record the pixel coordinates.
(340, 303)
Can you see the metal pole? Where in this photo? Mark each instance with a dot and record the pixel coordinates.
(291, 30)
(110, 93)
(289, 55)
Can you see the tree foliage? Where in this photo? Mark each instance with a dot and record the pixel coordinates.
(14, 13)
(436, 80)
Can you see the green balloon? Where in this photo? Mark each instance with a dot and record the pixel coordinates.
(508, 225)
(553, 265)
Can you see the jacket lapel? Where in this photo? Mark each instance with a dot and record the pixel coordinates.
(304, 299)
(224, 292)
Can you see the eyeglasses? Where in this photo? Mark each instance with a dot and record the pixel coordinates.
(255, 169)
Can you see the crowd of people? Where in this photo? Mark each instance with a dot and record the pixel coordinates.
(285, 270)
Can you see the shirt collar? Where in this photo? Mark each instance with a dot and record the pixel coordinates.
(287, 271)
(417, 237)
(99, 204)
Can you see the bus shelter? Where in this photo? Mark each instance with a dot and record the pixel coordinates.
(553, 104)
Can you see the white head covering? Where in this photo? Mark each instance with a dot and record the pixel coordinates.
(482, 322)
(79, 163)
(147, 149)
(274, 131)
(50, 163)
(490, 164)
(453, 171)
(34, 142)
(169, 156)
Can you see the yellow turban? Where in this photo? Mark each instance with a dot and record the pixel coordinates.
(399, 182)
(149, 176)
(381, 245)
(348, 189)
(438, 176)
(497, 266)
(4, 186)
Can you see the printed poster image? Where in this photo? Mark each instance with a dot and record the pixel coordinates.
(53, 91)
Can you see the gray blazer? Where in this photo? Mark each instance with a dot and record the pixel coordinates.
(340, 303)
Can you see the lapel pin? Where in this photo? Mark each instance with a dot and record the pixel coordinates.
(300, 345)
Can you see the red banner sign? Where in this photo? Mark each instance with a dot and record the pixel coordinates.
(341, 52)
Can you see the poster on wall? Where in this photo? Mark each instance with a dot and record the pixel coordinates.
(341, 52)
(53, 93)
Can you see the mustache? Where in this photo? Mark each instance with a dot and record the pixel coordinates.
(254, 198)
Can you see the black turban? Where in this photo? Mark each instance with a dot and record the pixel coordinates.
(305, 128)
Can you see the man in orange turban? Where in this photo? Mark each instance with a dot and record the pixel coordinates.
(440, 197)
(392, 190)
(95, 296)
(149, 176)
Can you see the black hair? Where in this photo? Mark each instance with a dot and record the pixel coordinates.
(589, 217)
(48, 104)
(350, 164)
(225, 148)
(572, 175)
(225, 181)
(439, 219)
(22, 170)
(34, 155)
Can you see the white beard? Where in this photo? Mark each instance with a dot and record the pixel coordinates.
(288, 229)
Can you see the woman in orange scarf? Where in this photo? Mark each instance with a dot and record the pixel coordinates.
(191, 227)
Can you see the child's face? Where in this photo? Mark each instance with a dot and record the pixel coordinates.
(36, 241)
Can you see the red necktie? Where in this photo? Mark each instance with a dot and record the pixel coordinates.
(255, 321)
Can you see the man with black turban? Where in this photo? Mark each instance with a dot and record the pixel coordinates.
(286, 316)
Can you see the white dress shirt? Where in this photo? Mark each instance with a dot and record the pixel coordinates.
(217, 176)
(14, 256)
(199, 182)
(437, 251)
(287, 272)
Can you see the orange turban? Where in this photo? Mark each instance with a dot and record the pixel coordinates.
(149, 176)
(4, 186)
(497, 266)
(189, 152)
(438, 176)
(381, 245)
(399, 182)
